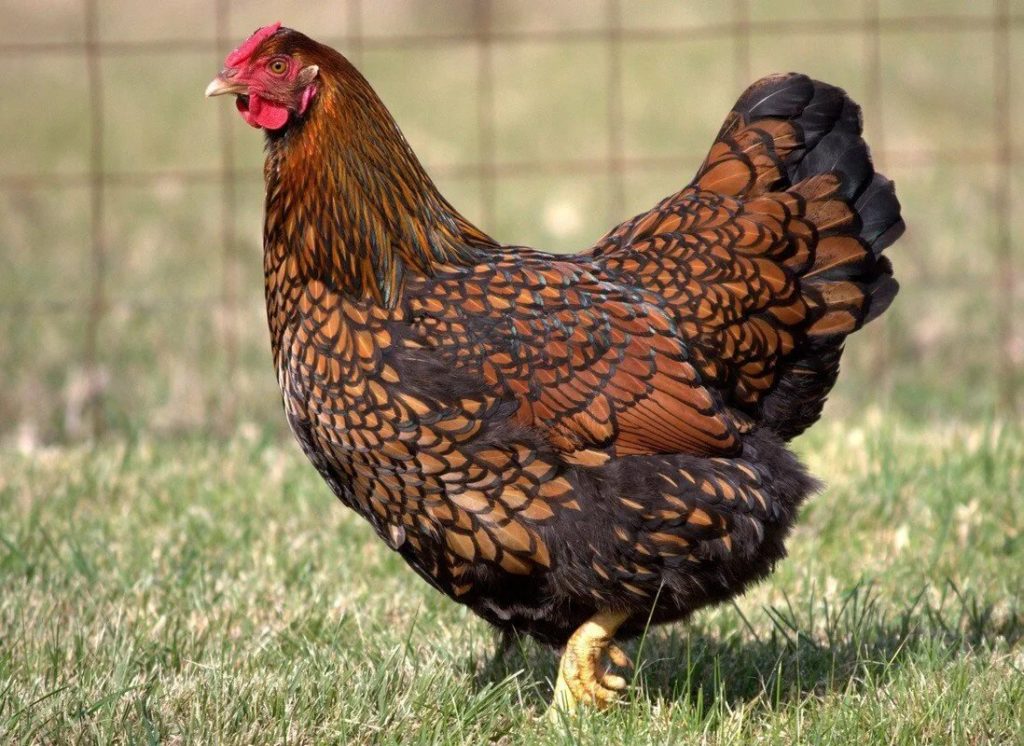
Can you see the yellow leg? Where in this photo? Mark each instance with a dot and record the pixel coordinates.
(583, 677)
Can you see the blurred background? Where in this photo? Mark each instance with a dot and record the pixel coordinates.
(130, 207)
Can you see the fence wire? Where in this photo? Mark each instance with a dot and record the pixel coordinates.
(488, 171)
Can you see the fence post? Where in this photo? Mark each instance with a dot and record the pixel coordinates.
(880, 364)
(97, 228)
(485, 114)
(229, 259)
(1005, 279)
(616, 147)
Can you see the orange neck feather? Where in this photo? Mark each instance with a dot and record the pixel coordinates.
(348, 199)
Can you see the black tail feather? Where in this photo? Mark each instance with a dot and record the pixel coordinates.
(830, 125)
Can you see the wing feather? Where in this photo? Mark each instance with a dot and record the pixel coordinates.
(594, 364)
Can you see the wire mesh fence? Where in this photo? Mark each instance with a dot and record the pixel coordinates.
(131, 215)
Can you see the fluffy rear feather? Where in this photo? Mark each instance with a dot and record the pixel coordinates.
(772, 255)
(854, 213)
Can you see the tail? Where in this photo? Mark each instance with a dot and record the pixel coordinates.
(791, 149)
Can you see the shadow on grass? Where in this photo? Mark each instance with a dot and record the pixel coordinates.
(808, 650)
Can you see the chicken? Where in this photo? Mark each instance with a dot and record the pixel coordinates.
(571, 446)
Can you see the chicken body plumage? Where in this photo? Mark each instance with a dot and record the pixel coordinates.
(407, 417)
(545, 438)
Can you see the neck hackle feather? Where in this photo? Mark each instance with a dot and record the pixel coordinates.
(348, 197)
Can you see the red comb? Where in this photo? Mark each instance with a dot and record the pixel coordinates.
(245, 51)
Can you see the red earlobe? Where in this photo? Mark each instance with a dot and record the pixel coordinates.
(307, 96)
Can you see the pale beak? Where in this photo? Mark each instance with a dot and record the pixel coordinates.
(219, 86)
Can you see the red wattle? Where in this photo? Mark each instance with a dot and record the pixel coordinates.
(262, 113)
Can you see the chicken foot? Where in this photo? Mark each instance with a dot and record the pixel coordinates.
(583, 676)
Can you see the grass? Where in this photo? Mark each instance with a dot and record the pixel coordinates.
(205, 591)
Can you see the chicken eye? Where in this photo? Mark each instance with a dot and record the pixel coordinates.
(277, 67)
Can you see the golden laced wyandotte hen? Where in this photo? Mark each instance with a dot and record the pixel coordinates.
(572, 446)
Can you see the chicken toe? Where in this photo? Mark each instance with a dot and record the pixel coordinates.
(583, 676)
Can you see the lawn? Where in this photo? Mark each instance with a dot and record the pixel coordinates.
(203, 591)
